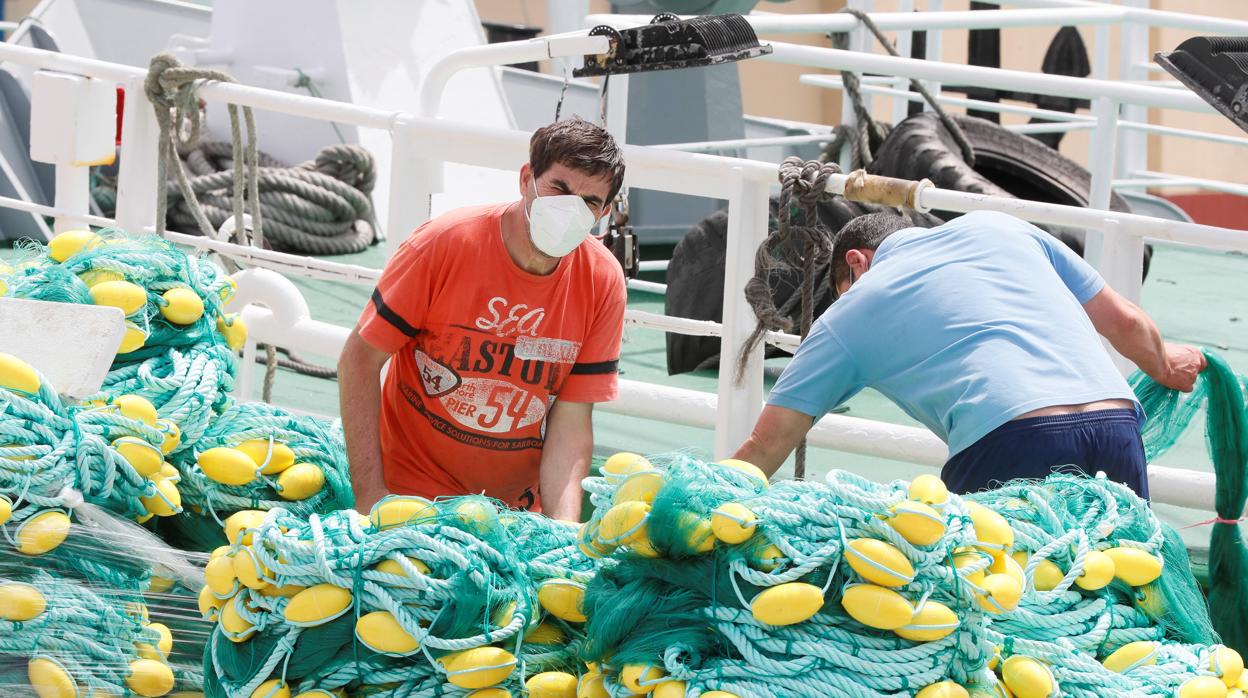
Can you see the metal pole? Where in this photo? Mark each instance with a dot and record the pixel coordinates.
(905, 40)
(73, 191)
(1133, 155)
(933, 52)
(136, 179)
(740, 404)
(414, 179)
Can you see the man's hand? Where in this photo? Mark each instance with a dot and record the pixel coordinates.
(1183, 363)
(565, 458)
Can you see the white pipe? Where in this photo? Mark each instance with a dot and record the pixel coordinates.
(647, 286)
(1017, 80)
(505, 53)
(899, 21)
(654, 265)
(1160, 180)
(1060, 127)
(1183, 133)
(738, 143)
(1148, 17)
(833, 82)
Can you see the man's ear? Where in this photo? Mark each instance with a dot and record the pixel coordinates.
(855, 259)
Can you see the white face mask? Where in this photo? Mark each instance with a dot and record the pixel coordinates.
(557, 224)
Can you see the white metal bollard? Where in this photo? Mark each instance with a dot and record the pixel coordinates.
(72, 126)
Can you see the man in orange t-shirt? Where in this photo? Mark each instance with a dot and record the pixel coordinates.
(502, 326)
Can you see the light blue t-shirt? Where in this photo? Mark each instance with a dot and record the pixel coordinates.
(965, 326)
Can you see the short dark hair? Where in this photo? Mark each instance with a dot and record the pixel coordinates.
(580, 145)
(863, 233)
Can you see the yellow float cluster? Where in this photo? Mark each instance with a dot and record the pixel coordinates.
(266, 459)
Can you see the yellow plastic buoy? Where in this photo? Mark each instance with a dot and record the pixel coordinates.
(1047, 574)
(641, 486)
(249, 570)
(756, 474)
(92, 277)
(587, 541)
(173, 435)
(551, 684)
(50, 680)
(623, 523)
(168, 472)
(20, 602)
(69, 243)
(1001, 593)
(1134, 566)
(879, 563)
(918, 523)
(233, 329)
(478, 667)
(270, 458)
(1132, 655)
(989, 687)
(944, 689)
(768, 558)
(787, 604)
(380, 631)
(228, 466)
(623, 464)
(562, 598)
(220, 576)
(590, 685)
(669, 689)
(239, 524)
(300, 481)
(476, 514)
(931, 622)
(132, 339)
(182, 306)
(877, 607)
(144, 457)
(236, 628)
(17, 375)
(392, 566)
(42, 532)
(6, 510)
(400, 510)
(150, 678)
(641, 678)
(273, 688)
(644, 547)
(491, 692)
(546, 634)
(929, 490)
(317, 604)
(210, 604)
(1226, 664)
(964, 558)
(1150, 600)
(1203, 687)
(991, 529)
(165, 643)
(119, 294)
(165, 500)
(136, 407)
(1028, 678)
(1098, 571)
(1006, 564)
(700, 538)
(733, 523)
(228, 290)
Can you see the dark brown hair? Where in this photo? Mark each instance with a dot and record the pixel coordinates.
(580, 145)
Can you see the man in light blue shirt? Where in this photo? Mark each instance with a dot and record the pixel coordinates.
(985, 329)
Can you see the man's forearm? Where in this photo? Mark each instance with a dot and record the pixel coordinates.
(1138, 339)
(565, 460)
(360, 402)
(778, 431)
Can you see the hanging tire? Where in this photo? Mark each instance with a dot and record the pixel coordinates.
(1006, 164)
(695, 279)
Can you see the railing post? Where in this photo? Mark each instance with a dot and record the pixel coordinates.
(413, 182)
(1116, 255)
(1133, 155)
(849, 119)
(905, 39)
(136, 179)
(933, 52)
(740, 404)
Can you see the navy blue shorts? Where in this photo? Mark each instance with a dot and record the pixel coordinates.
(1102, 441)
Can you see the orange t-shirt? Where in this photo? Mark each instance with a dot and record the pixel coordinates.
(481, 351)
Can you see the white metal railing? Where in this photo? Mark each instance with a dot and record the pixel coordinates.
(277, 314)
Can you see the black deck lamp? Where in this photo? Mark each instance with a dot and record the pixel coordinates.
(1216, 68)
(669, 42)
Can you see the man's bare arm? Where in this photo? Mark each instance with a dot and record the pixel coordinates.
(565, 458)
(359, 391)
(1134, 335)
(776, 433)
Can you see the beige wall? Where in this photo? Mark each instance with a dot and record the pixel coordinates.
(772, 89)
